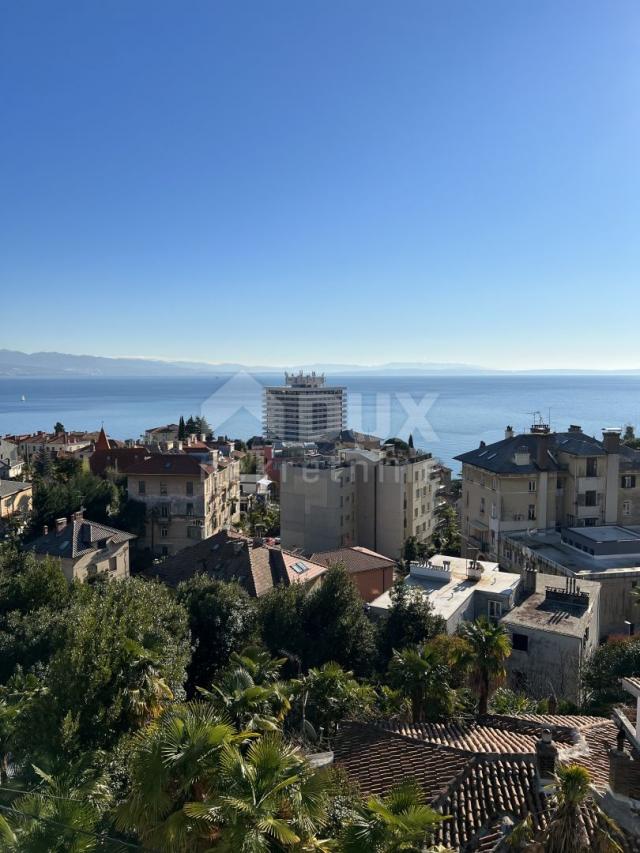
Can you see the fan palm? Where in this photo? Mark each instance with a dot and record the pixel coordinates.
(400, 821)
(175, 760)
(60, 815)
(422, 676)
(488, 647)
(147, 691)
(330, 694)
(270, 799)
(567, 831)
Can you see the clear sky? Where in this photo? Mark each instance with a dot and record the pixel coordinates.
(283, 181)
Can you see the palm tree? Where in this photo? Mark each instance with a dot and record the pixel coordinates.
(147, 691)
(60, 815)
(269, 799)
(175, 760)
(400, 821)
(488, 647)
(329, 694)
(567, 831)
(423, 677)
(249, 692)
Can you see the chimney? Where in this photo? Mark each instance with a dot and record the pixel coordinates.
(542, 450)
(79, 515)
(546, 756)
(574, 428)
(45, 530)
(529, 577)
(177, 445)
(611, 440)
(203, 436)
(552, 704)
(483, 444)
(509, 433)
(61, 523)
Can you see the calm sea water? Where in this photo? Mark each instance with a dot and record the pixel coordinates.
(447, 415)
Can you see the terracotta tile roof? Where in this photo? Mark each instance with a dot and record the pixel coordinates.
(355, 559)
(116, 457)
(470, 737)
(485, 792)
(380, 759)
(487, 768)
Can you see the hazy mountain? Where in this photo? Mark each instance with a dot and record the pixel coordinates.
(57, 364)
(52, 364)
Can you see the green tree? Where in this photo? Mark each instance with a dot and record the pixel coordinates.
(329, 694)
(249, 464)
(400, 821)
(488, 647)
(420, 674)
(58, 428)
(222, 620)
(175, 761)
(410, 621)
(617, 658)
(566, 831)
(61, 814)
(446, 537)
(249, 692)
(125, 649)
(182, 430)
(282, 624)
(335, 625)
(269, 799)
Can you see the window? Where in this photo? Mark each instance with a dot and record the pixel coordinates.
(559, 484)
(590, 498)
(494, 511)
(495, 609)
(494, 483)
(592, 467)
(628, 481)
(142, 487)
(164, 531)
(113, 564)
(164, 551)
(164, 510)
(532, 485)
(520, 642)
(163, 488)
(189, 487)
(481, 506)
(626, 507)
(531, 513)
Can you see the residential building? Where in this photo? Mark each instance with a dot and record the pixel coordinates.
(545, 479)
(608, 555)
(318, 505)
(229, 556)
(486, 776)
(374, 498)
(186, 499)
(15, 501)
(553, 625)
(458, 589)
(11, 463)
(107, 455)
(85, 548)
(304, 408)
(553, 631)
(157, 435)
(372, 573)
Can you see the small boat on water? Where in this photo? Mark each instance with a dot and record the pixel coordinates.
(23, 399)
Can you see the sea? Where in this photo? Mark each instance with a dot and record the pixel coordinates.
(446, 414)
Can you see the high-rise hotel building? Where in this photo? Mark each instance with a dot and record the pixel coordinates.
(304, 408)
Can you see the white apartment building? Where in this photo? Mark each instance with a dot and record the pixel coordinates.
(304, 408)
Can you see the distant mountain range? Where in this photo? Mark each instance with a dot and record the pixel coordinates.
(56, 364)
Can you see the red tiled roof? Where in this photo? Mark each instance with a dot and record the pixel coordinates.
(355, 559)
(470, 736)
(380, 759)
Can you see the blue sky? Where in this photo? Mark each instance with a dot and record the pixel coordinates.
(284, 181)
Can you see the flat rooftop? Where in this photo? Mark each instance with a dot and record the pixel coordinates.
(547, 546)
(449, 593)
(555, 613)
(607, 533)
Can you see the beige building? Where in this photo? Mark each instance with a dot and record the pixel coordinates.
(376, 499)
(15, 500)
(85, 548)
(186, 498)
(546, 480)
